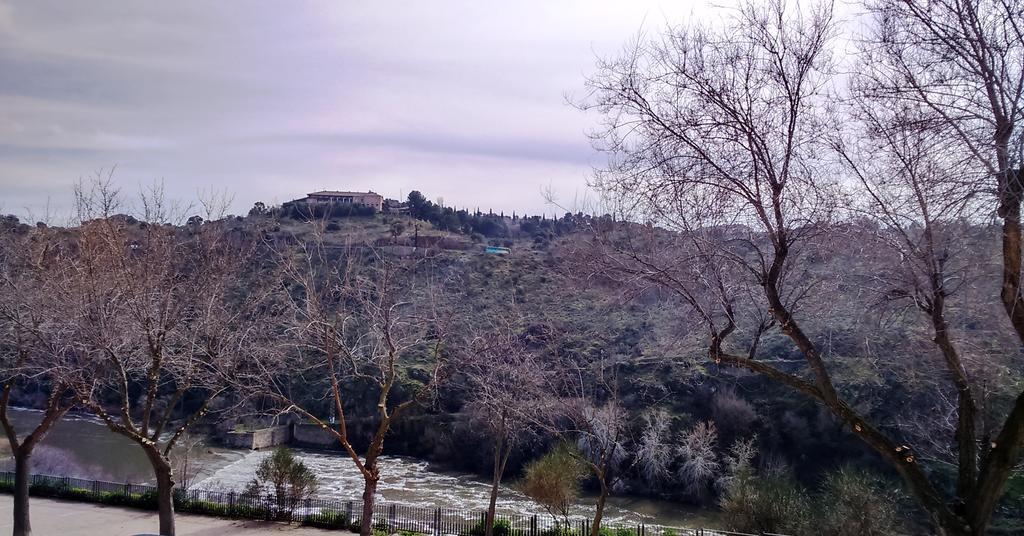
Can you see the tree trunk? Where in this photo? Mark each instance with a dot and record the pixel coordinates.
(165, 503)
(491, 506)
(22, 480)
(595, 527)
(369, 494)
(23, 451)
(501, 453)
(164, 490)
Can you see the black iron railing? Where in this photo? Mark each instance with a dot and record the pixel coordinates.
(331, 513)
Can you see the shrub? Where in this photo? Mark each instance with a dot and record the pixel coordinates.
(700, 465)
(733, 415)
(557, 530)
(754, 503)
(553, 480)
(112, 498)
(78, 494)
(147, 500)
(204, 508)
(854, 503)
(502, 527)
(44, 488)
(620, 531)
(773, 503)
(286, 477)
(249, 512)
(328, 519)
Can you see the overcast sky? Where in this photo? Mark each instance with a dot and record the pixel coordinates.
(272, 100)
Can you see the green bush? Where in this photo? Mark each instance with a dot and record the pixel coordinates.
(772, 503)
(855, 503)
(610, 531)
(502, 527)
(557, 531)
(112, 498)
(78, 494)
(55, 488)
(553, 480)
(328, 519)
(207, 508)
(285, 477)
(45, 488)
(248, 512)
(147, 500)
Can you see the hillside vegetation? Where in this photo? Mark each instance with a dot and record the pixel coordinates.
(880, 352)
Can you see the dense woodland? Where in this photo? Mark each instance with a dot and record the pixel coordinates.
(802, 306)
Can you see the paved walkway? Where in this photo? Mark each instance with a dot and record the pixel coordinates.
(66, 518)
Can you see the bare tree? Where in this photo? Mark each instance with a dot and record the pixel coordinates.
(163, 310)
(185, 466)
(582, 407)
(602, 434)
(718, 132)
(920, 192)
(961, 63)
(654, 451)
(357, 319)
(701, 466)
(505, 388)
(35, 348)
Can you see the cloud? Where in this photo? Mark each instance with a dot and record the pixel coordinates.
(459, 99)
(6, 19)
(485, 145)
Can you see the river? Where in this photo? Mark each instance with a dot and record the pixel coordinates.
(82, 446)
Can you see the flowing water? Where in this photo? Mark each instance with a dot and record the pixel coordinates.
(416, 483)
(83, 447)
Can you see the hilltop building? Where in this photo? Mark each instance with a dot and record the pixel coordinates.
(357, 199)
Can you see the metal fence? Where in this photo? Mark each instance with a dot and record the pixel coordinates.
(333, 513)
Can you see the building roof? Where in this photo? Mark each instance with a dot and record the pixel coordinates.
(333, 192)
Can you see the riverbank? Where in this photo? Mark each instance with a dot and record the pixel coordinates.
(80, 446)
(68, 518)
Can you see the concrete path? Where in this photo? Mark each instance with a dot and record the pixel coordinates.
(66, 518)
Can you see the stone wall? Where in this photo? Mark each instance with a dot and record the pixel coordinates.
(237, 440)
(423, 436)
(258, 439)
(311, 435)
(271, 437)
